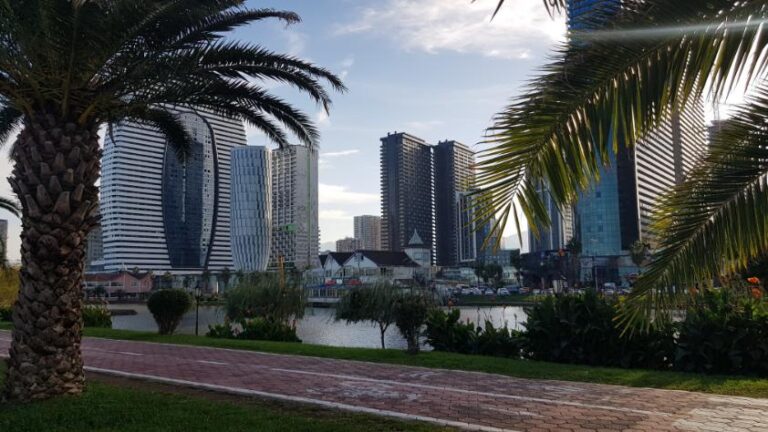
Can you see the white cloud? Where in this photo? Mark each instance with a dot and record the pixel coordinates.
(423, 126)
(334, 194)
(339, 153)
(461, 26)
(334, 215)
(322, 119)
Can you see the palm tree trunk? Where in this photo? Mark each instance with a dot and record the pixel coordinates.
(56, 165)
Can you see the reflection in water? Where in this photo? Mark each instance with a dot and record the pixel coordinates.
(318, 326)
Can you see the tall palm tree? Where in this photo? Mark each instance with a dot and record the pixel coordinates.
(606, 89)
(68, 67)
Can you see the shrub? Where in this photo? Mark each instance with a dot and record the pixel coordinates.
(255, 329)
(410, 312)
(723, 333)
(9, 286)
(375, 304)
(168, 307)
(264, 295)
(5, 313)
(97, 316)
(445, 332)
(581, 329)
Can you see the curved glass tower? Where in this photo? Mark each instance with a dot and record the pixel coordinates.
(251, 208)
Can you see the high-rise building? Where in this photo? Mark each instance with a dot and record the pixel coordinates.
(454, 173)
(348, 244)
(295, 232)
(616, 211)
(562, 225)
(94, 248)
(251, 208)
(160, 212)
(407, 191)
(368, 231)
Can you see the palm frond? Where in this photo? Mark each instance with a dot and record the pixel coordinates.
(10, 119)
(168, 123)
(10, 205)
(716, 220)
(609, 88)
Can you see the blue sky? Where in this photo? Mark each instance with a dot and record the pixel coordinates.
(438, 69)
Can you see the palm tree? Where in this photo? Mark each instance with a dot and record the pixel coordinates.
(605, 90)
(69, 67)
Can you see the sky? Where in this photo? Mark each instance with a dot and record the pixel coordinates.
(438, 69)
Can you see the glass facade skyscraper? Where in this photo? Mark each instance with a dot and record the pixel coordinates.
(251, 208)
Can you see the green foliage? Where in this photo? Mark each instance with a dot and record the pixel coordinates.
(5, 313)
(581, 329)
(254, 329)
(410, 311)
(97, 316)
(445, 332)
(374, 304)
(9, 286)
(724, 333)
(168, 308)
(266, 296)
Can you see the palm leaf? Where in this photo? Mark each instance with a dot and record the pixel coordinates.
(716, 220)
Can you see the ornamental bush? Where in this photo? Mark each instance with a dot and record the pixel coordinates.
(268, 296)
(724, 333)
(168, 307)
(445, 332)
(254, 329)
(97, 316)
(410, 312)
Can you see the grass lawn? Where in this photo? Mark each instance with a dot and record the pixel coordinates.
(140, 407)
(727, 385)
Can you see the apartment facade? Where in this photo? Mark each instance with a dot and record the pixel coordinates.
(454, 174)
(295, 231)
(368, 231)
(160, 213)
(407, 191)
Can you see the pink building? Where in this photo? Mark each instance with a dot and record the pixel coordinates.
(130, 284)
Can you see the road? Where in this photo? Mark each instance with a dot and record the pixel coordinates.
(466, 400)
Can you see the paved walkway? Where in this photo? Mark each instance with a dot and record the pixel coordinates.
(465, 400)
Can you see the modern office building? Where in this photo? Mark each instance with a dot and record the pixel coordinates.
(562, 225)
(407, 191)
(348, 244)
(454, 173)
(616, 211)
(295, 232)
(251, 230)
(368, 232)
(161, 213)
(94, 249)
(466, 232)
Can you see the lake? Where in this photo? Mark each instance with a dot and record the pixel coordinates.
(318, 326)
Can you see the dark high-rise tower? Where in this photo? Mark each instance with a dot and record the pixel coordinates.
(454, 173)
(407, 191)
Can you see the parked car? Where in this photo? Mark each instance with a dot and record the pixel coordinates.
(537, 292)
(476, 291)
(466, 291)
(503, 292)
(512, 289)
(524, 290)
(489, 292)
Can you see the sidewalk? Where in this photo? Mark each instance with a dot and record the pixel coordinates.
(467, 400)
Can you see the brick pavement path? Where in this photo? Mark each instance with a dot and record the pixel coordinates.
(466, 400)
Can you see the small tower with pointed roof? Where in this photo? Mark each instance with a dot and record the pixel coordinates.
(418, 251)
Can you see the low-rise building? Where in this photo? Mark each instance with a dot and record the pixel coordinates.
(123, 284)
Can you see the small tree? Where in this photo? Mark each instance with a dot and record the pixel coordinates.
(410, 311)
(225, 276)
(167, 280)
(374, 304)
(205, 280)
(265, 295)
(168, 308)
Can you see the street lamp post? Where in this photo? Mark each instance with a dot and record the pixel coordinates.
(197, 309)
